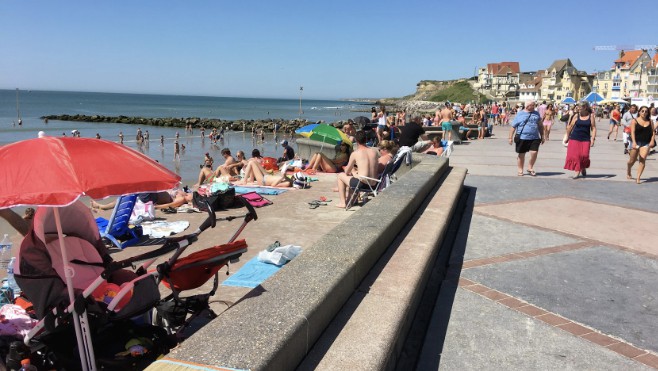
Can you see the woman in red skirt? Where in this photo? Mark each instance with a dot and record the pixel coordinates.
(582, 134)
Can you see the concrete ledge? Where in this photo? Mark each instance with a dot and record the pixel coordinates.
(307, 148)
(369, 332)
(276, 325)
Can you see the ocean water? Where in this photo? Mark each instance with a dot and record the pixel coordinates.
(34, 104)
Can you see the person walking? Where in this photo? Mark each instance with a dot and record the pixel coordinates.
(582, 135)
(626, 120)
(615, 117)
(642, 138)
(527, 124)
(549, 115)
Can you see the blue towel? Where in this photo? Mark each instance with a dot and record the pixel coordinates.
(259, 190)
(251, 274)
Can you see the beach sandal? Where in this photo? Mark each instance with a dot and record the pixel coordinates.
(532, 172)
(169, 210)
(317, 203)
(520, 173)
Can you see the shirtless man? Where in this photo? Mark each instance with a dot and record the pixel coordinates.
(225, 168)
(447, 115)
(349, 129)
(365, 159)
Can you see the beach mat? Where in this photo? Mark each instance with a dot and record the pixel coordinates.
(271, 191)
(252, 274)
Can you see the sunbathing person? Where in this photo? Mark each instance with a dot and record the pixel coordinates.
(158, 198)
(226, 168)
(180, 199)
(206, 174)
(435, 148)
(387, 149)
(320, 161)
(254, 172)
(365, 159)
(239, 164)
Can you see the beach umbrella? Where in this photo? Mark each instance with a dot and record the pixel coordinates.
(56, 171)
(613, 100)
(568, 100)
(328, 134)
(306, 130)
(592, 98)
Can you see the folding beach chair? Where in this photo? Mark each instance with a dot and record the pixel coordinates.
(365, 189)
(117, 227)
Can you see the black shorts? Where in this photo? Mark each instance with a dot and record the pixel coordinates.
(524, 146)
(355, 182)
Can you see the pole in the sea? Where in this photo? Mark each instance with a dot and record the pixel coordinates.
(301, 89)
(18, 111)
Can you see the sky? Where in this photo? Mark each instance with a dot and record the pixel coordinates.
(270, 48)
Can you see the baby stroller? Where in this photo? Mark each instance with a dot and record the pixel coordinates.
(108, 296)
(179, 315)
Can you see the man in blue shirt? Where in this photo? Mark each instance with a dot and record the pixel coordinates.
(528, 124)
(288, 152)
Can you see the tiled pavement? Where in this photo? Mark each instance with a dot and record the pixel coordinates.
(549, 272)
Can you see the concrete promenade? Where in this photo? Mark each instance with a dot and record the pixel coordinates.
(547, 272)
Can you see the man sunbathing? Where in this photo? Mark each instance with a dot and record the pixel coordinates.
(365, 159)
(255, 172)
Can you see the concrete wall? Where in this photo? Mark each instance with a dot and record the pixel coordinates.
(275, 326)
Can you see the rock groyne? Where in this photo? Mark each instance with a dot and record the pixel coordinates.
(267, 125)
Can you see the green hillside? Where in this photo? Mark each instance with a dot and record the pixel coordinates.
(459, 92)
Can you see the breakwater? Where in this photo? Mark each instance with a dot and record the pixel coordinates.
(268, 125)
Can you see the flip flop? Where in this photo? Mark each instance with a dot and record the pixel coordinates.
(520, 173)
(532, 172)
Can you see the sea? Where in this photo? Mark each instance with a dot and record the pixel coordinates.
(30, 105)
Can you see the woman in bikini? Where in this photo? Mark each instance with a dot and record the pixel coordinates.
(320, 161)
(643, 137)
(206, 174)
(255, 173)
(549, 115)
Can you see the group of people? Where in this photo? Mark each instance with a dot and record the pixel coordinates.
(528, 131)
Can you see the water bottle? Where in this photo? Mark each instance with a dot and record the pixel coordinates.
(26, 366)
(11, 281)
(5, 251)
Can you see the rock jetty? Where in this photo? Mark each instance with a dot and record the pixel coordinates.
(196, 122)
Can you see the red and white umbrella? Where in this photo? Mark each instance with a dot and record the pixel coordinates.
(56, 171)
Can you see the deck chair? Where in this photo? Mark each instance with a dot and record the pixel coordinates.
(117, 227)
(448, 149)
(365, 189)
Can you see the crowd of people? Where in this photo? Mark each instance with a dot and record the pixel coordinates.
(531, 128)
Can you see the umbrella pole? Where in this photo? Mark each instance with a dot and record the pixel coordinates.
(85, 347)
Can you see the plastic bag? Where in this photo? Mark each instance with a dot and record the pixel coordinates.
(145, 211)
(281, 255)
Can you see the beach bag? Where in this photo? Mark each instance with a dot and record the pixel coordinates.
(269, 163)
(299, 180)
(627, 129)
(218, 200)
(255, 199)
(145, 211)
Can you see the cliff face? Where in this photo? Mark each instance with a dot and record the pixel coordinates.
(426, 89)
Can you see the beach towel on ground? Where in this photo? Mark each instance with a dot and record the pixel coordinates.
(164, 229)
(271, 191)
(252, 274)
(256, 200)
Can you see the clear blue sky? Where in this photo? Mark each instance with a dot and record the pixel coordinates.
(269, 48)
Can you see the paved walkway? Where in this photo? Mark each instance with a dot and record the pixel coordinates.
(549, 272)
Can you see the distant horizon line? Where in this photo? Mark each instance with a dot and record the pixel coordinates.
(361, 100)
